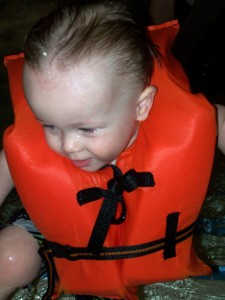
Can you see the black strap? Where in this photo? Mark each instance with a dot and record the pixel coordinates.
(47, 256)
(171, 232)
(112, 197)
(123, 252)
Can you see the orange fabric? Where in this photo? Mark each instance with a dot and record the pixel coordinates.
(176, 144)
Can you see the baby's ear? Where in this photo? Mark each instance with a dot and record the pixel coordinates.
(145, 102)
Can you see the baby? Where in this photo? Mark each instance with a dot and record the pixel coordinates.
(87, 80)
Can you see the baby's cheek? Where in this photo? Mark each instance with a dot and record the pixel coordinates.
(53, 143)
(109, 149)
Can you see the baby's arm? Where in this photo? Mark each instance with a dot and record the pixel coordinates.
(6, 183)
(221, 127)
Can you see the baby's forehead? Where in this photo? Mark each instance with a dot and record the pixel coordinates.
(93, 77)
(92, 68)
(91, 81)
(53, 72)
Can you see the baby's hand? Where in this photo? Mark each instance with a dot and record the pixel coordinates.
(221, 127)
(6, 183)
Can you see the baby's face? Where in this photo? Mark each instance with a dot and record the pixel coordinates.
(88, 114)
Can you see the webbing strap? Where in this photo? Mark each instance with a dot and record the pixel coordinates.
(171, 231)
(123, 252)
(47, 257)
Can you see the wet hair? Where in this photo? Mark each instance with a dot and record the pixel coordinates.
(85, 29)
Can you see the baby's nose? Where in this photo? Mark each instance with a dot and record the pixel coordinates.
(71, 143)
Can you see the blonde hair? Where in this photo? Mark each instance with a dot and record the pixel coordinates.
(87, 28)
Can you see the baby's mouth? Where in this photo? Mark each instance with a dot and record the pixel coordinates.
(82, 163)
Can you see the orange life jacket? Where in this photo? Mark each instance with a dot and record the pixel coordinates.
(152, 240)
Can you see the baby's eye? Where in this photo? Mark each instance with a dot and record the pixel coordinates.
(49, 128)
(88, 131)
